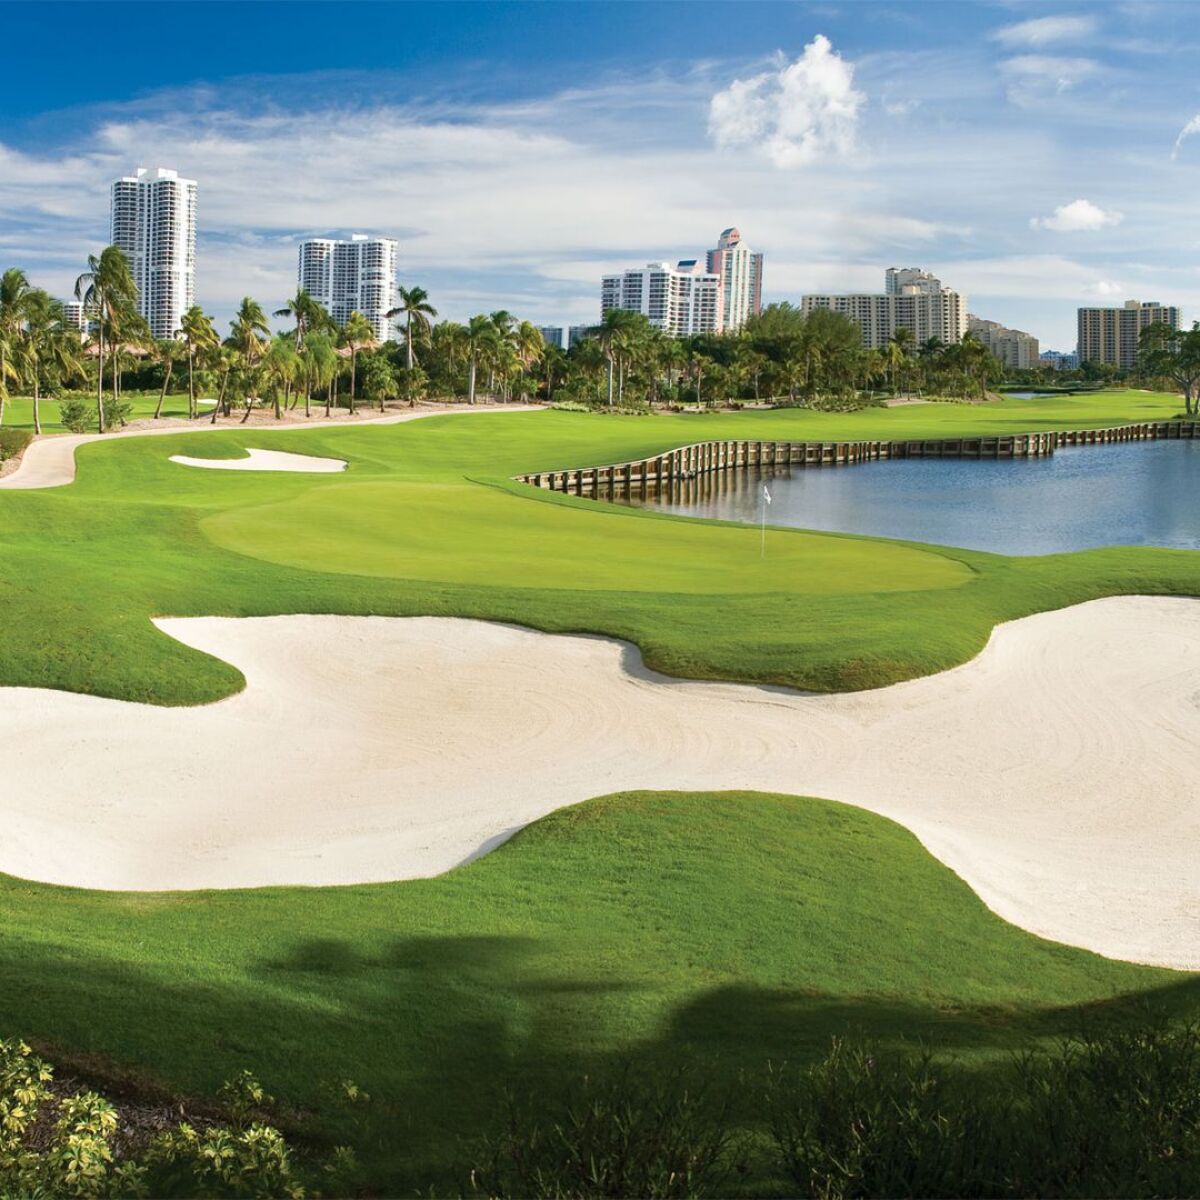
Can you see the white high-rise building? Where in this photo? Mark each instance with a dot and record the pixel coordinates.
(358, 275)
(740, 271)
(913, 300)
(680, 300)
(153, 217)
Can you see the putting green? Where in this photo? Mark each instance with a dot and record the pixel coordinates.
(469, 533)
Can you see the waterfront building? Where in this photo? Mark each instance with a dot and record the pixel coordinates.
(352, 275)
(1110, 335)
(681, 300)
(912, 299)
(1016, 350)
(1059, 360)
(552, 335)
(153, 221)
(576, 334)
(739, 271)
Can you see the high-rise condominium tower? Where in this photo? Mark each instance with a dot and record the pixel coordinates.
(358, 275)
(740, 273)
(1110, 335)
(912, 300)
(154, 223)
(679, 300)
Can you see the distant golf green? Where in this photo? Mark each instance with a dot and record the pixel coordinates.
(721, 930)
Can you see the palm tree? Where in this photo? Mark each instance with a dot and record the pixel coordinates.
(14, 301)
(108, 289)
(166, 351)
(280, 366)
(303, 309)
(613, 335)
(49, 348)
(482, 341)
(357, 334)
(414, 306)
(200, 336)
(320, 363)
(248, 338)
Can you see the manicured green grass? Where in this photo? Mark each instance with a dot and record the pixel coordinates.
(720, 930)
(18, 411)
(425, 520)
(717, 931)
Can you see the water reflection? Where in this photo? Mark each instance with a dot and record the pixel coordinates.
(1137, 494)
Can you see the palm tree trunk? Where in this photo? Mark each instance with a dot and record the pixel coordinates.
(100, 377)
(37, 418)
(408, 341)
(162, 394)
(192, 382)
(353, 377)
(610, 381)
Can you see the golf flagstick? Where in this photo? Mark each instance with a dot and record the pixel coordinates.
(766, 499)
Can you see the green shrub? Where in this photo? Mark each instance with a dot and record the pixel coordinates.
(626, 1137)
(77, 415)
(12, 442)
(54, 1145)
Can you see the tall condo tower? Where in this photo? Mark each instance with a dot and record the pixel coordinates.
(358, 275)
(740, 272)
(154, 223)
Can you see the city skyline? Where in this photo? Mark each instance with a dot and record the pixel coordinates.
(517, 180)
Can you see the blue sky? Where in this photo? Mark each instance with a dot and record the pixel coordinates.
(1036, 156)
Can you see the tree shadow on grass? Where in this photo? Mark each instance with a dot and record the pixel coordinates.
(439, 1028)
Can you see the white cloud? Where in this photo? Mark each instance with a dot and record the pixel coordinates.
(1107, 288)
(1192, 127)
(1044, 31)
(1046, 72)
(1080, 216)
(803, 112)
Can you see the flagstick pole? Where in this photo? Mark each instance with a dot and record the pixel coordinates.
(762, 550)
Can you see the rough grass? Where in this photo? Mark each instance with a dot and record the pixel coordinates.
(719, 929)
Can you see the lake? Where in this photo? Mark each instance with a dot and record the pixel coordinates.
(1135, 494)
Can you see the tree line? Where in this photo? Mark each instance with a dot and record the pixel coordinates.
(779, 356)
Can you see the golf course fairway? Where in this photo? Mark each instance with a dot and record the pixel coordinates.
(725, 929)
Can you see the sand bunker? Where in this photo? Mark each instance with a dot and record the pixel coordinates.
(266, 460)
(50, 460)
(1056, 772)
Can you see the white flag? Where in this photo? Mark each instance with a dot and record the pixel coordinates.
(766, 494)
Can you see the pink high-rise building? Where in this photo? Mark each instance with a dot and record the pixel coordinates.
(740, 272)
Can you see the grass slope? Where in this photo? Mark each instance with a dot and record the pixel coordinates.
(718, 930)
(426, 521)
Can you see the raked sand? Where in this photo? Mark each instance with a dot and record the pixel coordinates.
(49, 461)
(266, 460)
(1057, 772)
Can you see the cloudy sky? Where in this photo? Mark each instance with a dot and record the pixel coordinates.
(1035, 156)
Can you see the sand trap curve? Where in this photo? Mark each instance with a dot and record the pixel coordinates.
(49, 461)
(1056, 773)
(266, 460)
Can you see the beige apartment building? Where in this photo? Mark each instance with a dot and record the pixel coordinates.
(913, 300)
(1110, 335)
(1016, 350)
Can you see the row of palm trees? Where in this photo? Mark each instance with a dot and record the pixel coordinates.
(39, 349)
(780, 354)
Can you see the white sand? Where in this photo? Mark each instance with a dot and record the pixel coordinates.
(50, 460)
(266, 460)
(1057, 773)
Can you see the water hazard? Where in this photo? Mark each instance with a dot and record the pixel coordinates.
(1137, 494)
